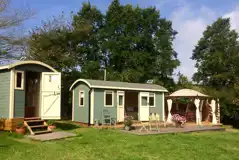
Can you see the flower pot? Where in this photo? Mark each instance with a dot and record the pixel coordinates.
(52, 127)
(21, 130)
(127, 128)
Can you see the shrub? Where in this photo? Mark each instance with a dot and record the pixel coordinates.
(128, 121)
(20, 125)
(50, 122)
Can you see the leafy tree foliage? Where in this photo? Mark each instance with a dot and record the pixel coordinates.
(217, 58)
(131, 43)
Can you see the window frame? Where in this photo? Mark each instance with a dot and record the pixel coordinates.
(152, 95)
(81, 91)
(22, 80)
(105, 98)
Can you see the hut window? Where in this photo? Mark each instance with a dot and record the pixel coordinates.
(81, 98)
(109, 98)
(152, 100)
(19, 79)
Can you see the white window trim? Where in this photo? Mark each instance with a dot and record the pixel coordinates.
(112, 98)
(154, 98)
(81, 91)
(22, 83)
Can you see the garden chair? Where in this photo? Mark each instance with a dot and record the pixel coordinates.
(154, 119)
(143, 125)
(106, 117)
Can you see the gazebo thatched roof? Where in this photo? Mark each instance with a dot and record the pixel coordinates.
(187, 93)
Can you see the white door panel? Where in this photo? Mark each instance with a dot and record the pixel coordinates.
(51, 95)
(120, 106)
(144, 106)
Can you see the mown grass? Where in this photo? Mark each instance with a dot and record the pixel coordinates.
(112, 144)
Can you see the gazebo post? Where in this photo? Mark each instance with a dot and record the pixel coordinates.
(197, 102)
(200, 109)
(213, 106)
(218, 111)
(169, 119)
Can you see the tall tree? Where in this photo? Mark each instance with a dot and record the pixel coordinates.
(90, 48)
(138, 44)
(56, 44)
(217, 57)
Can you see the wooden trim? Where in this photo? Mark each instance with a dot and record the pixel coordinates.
(11, 94)
(117, 88)
(81, 91)
(112, 98)
(92, 100)
(154, 100)
(27, 62)
(117, 104)
(73, 106)
(22, 82)
(163, 105)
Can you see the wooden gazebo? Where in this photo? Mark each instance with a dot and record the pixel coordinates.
(198, 99)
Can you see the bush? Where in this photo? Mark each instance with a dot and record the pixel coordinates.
(50, 122)
(128, 121)
(20, 125)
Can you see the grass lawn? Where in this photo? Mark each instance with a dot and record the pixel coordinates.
(97, 144)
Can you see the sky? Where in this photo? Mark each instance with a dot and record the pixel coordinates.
(189, 18)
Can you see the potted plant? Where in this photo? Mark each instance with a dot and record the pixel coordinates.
(128, 121)
(51, 124)
(20, 128)
(2, 122)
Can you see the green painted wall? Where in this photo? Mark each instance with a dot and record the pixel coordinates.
(19, 97)
(19, 103)
(158, 105)
(81, 114)
(4, 93)
(99, 104)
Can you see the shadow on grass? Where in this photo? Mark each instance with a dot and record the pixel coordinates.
(66, 126)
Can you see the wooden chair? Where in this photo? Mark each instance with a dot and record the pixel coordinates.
(154, 120)
(144, 124)
(106, 117)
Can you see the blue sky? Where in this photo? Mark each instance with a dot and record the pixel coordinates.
(189, 17)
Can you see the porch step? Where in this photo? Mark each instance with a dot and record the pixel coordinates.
(39, 126)
(32, 118)
(36, 126)
(42, 132)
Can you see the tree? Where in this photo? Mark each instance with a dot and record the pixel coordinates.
(217, 57)
(11, 18)
(137, 44)
(56, 44)
(183, 82)
(90, 48)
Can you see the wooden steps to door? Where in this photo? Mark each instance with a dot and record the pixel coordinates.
(36, 125)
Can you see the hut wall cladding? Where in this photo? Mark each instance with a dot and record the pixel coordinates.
(81, 113)
(4, 93)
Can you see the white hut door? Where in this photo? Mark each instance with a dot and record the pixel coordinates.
(50, 95)
(144, 106)
(120, 106)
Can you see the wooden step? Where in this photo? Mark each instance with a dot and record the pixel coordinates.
(42, 132)
(32, 118)
(31, 121)
(38, 126)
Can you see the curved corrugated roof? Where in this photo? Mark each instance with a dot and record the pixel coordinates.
(187, 93)
(12, 65)
(120, 85)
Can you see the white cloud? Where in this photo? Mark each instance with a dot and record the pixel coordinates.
(190, 24)
(234, 16)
